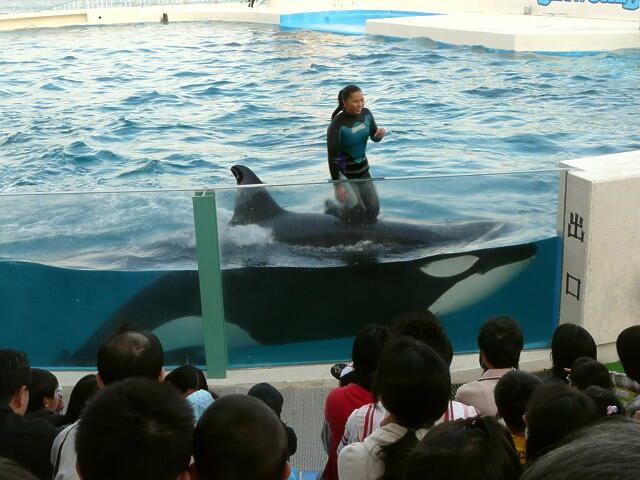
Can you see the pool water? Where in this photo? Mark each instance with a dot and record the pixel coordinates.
(173, 106)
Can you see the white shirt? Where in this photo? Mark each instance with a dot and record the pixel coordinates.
(365, 420)
(65, 458)
(360, 461)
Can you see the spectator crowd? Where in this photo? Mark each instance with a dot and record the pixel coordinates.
(394, 415)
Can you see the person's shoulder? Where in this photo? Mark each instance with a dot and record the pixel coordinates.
(352, 453)
(39, 427)
(472, 386)
(338, 119)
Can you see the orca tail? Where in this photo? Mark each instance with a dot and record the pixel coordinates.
(253, 205)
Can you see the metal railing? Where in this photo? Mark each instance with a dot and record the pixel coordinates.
(92, 4)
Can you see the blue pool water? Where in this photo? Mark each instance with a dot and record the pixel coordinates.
(174, 106)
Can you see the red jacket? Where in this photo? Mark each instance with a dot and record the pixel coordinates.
(340, 403)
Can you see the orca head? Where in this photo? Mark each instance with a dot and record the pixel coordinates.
(476, 275)
(253, 205)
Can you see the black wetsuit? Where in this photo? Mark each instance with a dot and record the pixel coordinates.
(347, 137)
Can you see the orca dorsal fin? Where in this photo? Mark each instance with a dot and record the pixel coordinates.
(253, 205)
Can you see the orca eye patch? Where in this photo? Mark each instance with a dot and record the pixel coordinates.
(449, 267)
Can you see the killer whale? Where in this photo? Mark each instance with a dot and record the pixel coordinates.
(270, 305)
(279, 305)
(256, 206)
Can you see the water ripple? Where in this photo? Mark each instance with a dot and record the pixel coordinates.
(84, 111)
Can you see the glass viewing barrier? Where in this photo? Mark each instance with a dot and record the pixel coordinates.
(300, 277)
(300, 273)
(76, 266)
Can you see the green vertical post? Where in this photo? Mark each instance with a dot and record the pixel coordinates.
(206, 227)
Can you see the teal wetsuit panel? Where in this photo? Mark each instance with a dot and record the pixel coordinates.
(347, 143)
(353, 140)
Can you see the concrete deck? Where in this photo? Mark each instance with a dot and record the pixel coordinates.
(548, 34)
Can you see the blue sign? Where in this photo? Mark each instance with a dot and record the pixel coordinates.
(626, 4)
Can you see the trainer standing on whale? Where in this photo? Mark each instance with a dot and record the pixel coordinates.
(351, 126)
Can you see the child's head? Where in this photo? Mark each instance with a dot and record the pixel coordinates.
(512, 394)
(586, 371)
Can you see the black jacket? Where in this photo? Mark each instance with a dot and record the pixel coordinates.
(27, 442)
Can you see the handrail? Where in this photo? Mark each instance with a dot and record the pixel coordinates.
(93, 4)
(196, 188)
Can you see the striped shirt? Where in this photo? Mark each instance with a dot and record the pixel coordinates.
(365, 420)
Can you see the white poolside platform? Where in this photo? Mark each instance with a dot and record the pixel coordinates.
(534, 33)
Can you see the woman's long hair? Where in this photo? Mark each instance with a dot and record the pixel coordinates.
(413, 383)
(343, 95)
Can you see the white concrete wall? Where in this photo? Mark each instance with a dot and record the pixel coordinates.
(600, 286)
(176, 13)
(58, 19)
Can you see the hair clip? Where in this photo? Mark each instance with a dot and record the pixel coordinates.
(611, 410)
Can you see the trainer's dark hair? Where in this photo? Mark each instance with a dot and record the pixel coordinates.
(470, 449)
(343, 96)
(608, 449)
(554, 411)
(586, 372)
(512, 393)
(414, 384)
(605, 400)
(424, 327)
(240, 438)
(43, 385)
(570, 342)
(10, 470)
(185, 378)
(500, 339)
(628, 347)
(130, 352)
(14, 373)
(84, 389)
(135, 429)
(365, 353)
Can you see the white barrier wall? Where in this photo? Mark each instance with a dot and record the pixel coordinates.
(599, 219)
(232, 12)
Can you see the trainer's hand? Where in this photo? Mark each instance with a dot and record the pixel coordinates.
(341, 194)
(379, 133)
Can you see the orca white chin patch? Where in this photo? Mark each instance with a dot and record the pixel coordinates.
(449, 267)
(476, 287)
(181, 332)
(187, 332)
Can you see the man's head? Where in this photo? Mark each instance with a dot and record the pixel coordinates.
(500, 341)
(424, 327)
(628, 346)
(512, 394)
(130, 352)
(609, 449)
(136, 429)
(240, 438)
(15, 377)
